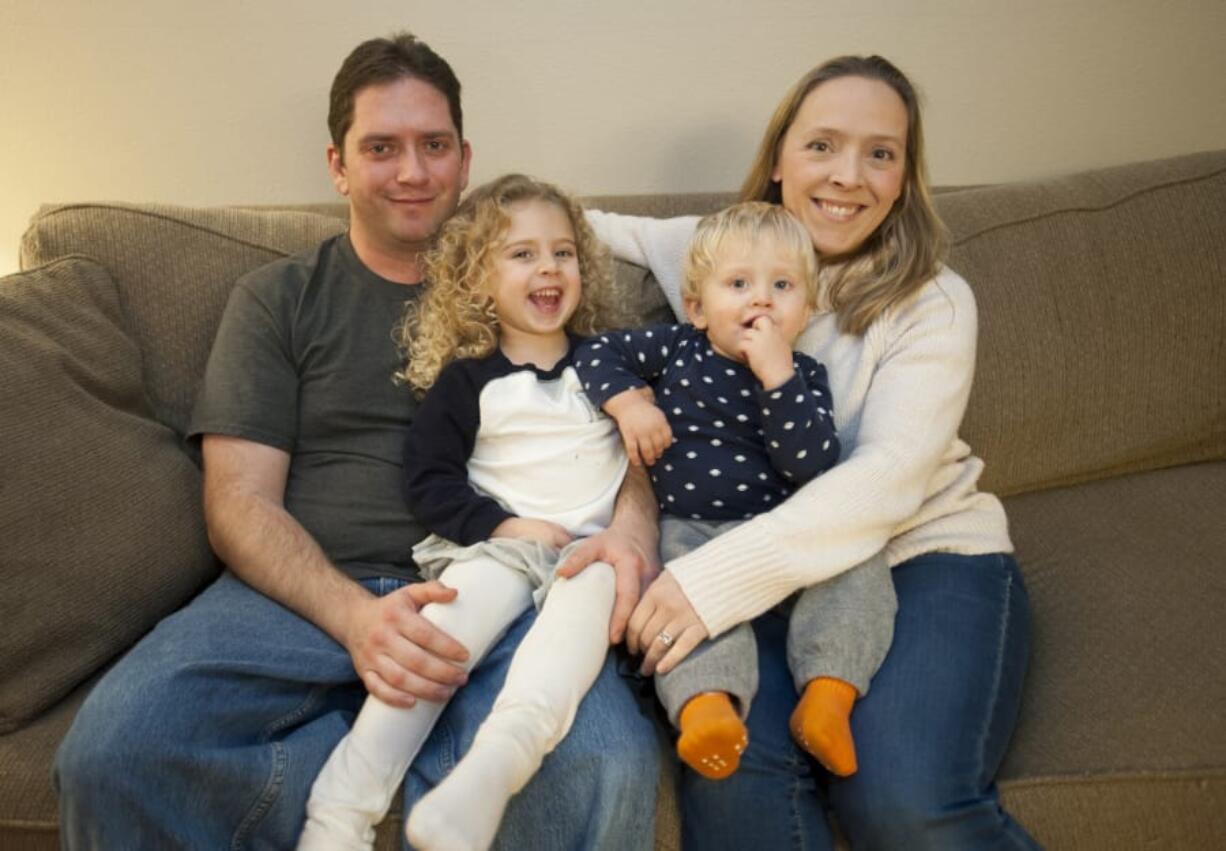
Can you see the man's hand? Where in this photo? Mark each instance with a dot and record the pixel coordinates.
(400, 656)
(633, 569)
(664, 611)
(644, 428)
(543, 531)
(630, 545)
(768, 354)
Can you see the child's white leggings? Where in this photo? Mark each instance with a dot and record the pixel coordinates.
(554, 666)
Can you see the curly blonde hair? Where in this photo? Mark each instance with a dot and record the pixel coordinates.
(455, 317)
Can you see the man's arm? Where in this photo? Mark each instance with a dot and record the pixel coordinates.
(630, 545)
(399, 655)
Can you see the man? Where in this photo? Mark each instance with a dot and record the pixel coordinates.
(209, 733)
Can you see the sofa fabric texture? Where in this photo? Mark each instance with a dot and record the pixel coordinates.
(99, 505)
(1099, 408)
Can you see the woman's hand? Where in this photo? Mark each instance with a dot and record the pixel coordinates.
(633, 568)
(664, 612)
(543, 531)
(630, 545)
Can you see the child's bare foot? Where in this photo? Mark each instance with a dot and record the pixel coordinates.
(821, 723)
(712, 735)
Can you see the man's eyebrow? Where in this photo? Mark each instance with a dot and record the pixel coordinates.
(392, 137)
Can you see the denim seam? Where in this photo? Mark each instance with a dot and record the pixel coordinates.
(314, 697)
(264, 801)
(994, 692)
(798, 764)
(449, 751)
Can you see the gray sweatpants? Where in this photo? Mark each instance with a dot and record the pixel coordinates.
(839, 628)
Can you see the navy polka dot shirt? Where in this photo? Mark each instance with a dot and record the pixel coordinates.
(739, 450)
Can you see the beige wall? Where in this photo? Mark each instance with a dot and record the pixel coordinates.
(224, 101)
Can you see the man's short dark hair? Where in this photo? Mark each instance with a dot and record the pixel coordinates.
(385, 60)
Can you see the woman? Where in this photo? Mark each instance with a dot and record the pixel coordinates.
(844, 154)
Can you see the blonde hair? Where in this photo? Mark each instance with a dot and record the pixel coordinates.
(907, 248)
(455, 317)
(745, 224)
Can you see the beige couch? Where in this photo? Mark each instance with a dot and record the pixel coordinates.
(1099, 407)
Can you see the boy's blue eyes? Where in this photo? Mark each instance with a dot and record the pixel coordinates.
(741, 283)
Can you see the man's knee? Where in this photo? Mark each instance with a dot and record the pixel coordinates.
(98, 749)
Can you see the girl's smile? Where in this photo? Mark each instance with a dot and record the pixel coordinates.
(536, 283)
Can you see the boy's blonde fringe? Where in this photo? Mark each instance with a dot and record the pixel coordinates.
(748, 223)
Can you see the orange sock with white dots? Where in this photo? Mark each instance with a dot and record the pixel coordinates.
(712, 735)
(821, 723)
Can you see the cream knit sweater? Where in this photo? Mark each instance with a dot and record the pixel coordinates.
(905, 481)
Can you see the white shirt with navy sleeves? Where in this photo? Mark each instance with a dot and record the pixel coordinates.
(493, 440)
(739, 449)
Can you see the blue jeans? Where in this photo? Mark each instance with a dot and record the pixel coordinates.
(930, 734)
(209, 733)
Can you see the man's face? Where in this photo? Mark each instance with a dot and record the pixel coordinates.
(403, 168)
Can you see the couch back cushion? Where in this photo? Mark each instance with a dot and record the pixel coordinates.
(1102, 305)
(173, 268)
(1102, 309)
(99, 506)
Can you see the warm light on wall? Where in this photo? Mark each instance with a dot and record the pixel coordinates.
(8, 259)
(14, 219)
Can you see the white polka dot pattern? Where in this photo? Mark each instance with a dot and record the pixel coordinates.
(749, 447)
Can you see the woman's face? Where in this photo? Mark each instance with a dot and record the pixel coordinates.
(842, 162)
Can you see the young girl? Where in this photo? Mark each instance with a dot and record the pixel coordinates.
(490, 469)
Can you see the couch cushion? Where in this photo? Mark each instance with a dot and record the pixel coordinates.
(1127, 678)
(28, 812)
(99, 505)
(173, 268)
(1180, 812)
(1102, 343)
(1126, 583)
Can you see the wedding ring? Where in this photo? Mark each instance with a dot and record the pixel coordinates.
(665, 639)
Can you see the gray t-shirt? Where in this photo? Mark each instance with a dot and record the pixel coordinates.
(303, 362)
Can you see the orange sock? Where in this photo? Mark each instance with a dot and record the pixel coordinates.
(821, 723)
(712, 735)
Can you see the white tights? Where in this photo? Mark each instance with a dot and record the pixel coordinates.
(554, 666)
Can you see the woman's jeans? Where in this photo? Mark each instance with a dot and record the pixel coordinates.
(209, 733)
(930, 734)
